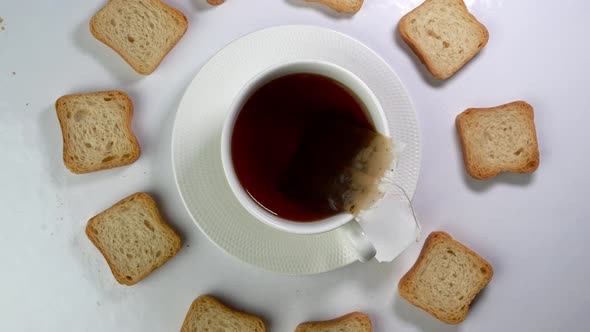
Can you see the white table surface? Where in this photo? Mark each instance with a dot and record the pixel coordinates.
(532, 228)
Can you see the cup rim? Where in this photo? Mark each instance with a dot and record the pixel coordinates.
(249, 202)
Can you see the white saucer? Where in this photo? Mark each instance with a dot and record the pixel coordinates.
(196, 156)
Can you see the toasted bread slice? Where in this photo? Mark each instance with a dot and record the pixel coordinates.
(133, 238)
(353, 322)
(342, 6)
(96, 130)
(444, 35)
(498, 139)
(208, 314)
(141, 31)
(445, 279)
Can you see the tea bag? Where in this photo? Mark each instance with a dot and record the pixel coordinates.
(339, 168)
(348, 168)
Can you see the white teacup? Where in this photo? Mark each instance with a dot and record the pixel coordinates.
(347, 222)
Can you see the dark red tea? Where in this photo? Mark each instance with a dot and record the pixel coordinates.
(272, 131)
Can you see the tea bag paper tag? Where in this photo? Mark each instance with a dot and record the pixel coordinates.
(391, 226)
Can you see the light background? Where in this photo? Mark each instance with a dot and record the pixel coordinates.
(532, 228)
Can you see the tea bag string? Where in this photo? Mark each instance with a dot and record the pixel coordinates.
(418, 225)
